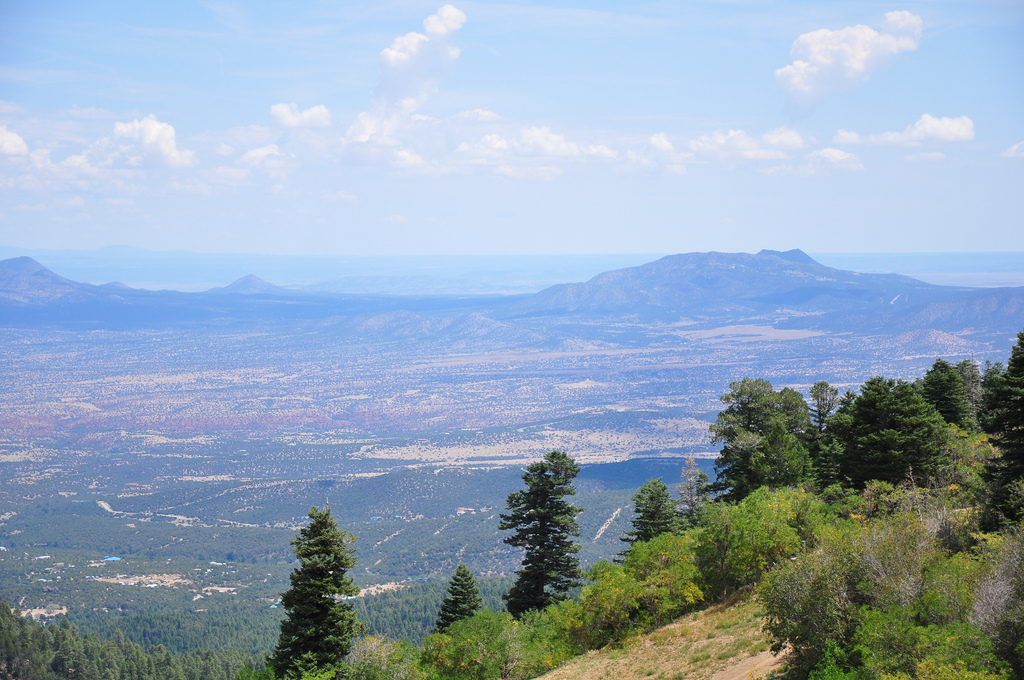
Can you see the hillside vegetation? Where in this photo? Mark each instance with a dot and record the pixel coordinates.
(868, 535)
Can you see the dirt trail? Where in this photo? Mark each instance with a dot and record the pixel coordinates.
(752, 667)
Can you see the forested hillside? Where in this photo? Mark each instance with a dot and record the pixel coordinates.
(877, 533)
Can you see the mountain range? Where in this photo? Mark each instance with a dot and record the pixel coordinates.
(782, 289)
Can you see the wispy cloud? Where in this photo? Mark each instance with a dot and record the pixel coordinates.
(927, 129)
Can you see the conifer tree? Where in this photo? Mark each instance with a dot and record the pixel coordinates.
(1006, 425)
(462, 601)
(887, 430)
(654, 513)
(694, 492)
(544, 525)
(318, 630)
(943, 388)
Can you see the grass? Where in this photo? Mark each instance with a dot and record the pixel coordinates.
(694, 647)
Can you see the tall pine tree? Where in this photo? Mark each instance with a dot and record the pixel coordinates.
(462, 601)
(318, 630)
(1006, 425)
(544, 525)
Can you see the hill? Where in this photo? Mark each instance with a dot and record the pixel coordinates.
(250, 285)
(723, 642)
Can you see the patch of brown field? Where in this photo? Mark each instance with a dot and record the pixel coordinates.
(724, 642)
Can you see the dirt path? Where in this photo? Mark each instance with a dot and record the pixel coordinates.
(752, 667)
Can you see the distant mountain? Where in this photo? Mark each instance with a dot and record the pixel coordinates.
(25, 282)
(770, 286)
(250, 285)
(781, 289)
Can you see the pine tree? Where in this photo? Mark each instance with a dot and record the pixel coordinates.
(1006, 425)
(318, 630)
(886, 431)
(544, 526)
(694, 492)
(824, 400)
(654, 513)
(462, 600)
(943, 388)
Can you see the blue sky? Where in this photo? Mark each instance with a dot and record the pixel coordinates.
(528, 128)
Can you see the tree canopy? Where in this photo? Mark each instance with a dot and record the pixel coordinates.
(887, 430)
(762, 431)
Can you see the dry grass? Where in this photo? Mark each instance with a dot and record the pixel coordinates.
(724, 641)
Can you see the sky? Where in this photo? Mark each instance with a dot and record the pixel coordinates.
(420, 128)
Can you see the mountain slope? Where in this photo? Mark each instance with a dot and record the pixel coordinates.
(730, 285)
(250, 285)
(23, 281)
(723, 642)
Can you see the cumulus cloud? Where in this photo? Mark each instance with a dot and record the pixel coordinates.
(289, 115)
(409, 71)
(927, 130)
(1015, 151)
(835, 158)
(148, 141)
(827, 61)
(738, 145)
(11, 143)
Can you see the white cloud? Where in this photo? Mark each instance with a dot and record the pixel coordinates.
(477, 114)
(660, 142)
(827, 61)
(447, 20)
(255, 157)
(835, 158)
(224, 150)
(11, 143)
(406, 158)
(783, 138)
(404, 48)
(927, 130)
(341, 196)
(289, 115)
(147, 141)
(736, 144)
(409, 71)
(1015, 151)
(928, 156)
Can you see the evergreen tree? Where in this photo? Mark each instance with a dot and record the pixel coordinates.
(654, 513)
(763, 432)
(544, 525)
(1006, 426)
(462, 600)
(318, 629)
(824, 400)
(885, 431)
(971, 377)
(991, 383)
(693, 492)
(943, 388)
